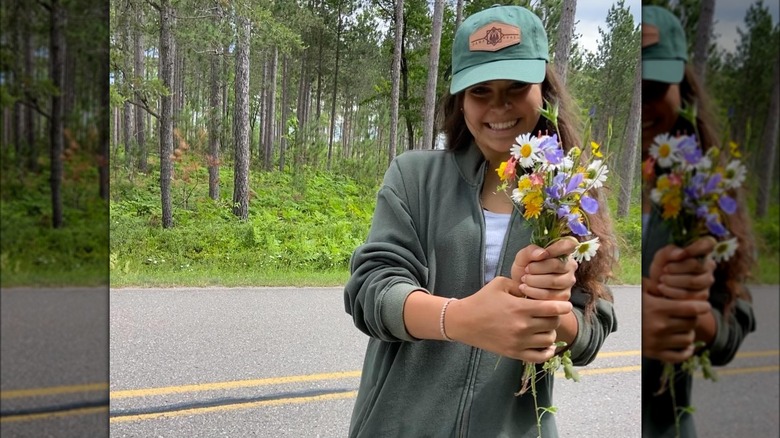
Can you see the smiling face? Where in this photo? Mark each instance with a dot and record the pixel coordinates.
(496, 112)
(660, 105)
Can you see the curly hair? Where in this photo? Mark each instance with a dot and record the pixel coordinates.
(593, 275)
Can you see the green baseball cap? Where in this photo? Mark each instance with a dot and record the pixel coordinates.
(664, 48)
(501, 42)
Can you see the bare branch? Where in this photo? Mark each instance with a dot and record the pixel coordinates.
(154, 5)
(143, 104)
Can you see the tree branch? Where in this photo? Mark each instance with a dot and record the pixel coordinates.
(143, 104)
(32, 102)
(154, 5)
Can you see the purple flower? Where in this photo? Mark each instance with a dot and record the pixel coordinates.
(574, 182)
(589, 205)
(712, 184)
(727, 204)
(690, 150)
(552, 152)
(714, 225)
(576, 226)
(563, 211)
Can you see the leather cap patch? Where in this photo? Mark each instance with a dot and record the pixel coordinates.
(493, 37)
(650, 35)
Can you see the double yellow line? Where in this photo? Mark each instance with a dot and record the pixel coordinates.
(319, 377)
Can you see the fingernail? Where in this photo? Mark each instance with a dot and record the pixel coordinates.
(523, 279)
(677, 252)
(538, 253)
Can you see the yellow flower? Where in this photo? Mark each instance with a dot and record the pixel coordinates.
(662, 183)
(671, 202)
(524, 184)
(501, 171)
(533, 204)
(734, 148)
(594, 149)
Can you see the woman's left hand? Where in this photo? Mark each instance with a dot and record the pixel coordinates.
(541, 273)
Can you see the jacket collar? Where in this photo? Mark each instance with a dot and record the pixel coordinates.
(471, 164)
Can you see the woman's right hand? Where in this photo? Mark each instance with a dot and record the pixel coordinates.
(669, 326)
(496, 318)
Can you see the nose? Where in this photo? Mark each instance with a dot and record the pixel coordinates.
(501, 100)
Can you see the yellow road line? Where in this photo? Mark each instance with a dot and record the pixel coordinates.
(54, 390)
(48, 415)
(765, 353)
(746, 370)
(232, 384)
(619, 353)
(232, 407)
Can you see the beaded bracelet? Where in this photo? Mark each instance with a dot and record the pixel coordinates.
(441, 319)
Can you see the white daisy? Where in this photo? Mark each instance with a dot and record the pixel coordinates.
(664, 150)
(526, 150)
(734, 175)
(725, 249)
(596, 174)
(517, 196)
(586, 250)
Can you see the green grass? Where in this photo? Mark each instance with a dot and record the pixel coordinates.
(207, 277)
(35, 254)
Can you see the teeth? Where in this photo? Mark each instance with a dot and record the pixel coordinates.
(503, 125)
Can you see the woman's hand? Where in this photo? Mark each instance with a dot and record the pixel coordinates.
(496, 318)
(683, 273)
(669, 326)
(541, 273)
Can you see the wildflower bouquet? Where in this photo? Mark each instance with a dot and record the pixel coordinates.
(694, 193)
(551, 189)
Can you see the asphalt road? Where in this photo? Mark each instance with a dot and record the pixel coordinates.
(284, 362)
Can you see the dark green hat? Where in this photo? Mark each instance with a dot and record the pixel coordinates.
(501, 42)
(664, 48)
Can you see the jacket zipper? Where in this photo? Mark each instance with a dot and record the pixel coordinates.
(462, 428)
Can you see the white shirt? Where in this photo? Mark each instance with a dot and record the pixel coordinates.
(495, 230)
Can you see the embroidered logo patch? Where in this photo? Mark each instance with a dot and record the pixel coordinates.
(493, 37)
(650, 35)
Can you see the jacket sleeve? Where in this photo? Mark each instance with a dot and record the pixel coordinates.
(731, 328)
(388, 267)
(592, 329)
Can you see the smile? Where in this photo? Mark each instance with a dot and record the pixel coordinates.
(503, 125)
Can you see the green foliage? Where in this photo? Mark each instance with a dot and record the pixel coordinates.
(308, 222)
(32, 252)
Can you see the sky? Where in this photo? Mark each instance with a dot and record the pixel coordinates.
(729, 15)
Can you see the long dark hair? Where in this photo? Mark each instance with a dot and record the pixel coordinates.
(592, 275)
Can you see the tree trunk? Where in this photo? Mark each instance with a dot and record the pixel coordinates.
(57, 54)
(769, 149)
(241, 122)
(405, 91)
(458, 13)
(563, 42)
(335, 90)
(104, 115)
(215, 98)
(140, 131)
(396, 76)
(128, 111)
(429, 109)
(300, 111)
(271, 112)
(628, 154)
(285, 112)
(29, 114)
(166, 112)
(703, 34)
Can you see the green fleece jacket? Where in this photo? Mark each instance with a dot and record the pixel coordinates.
(428, 233)
(731, 329)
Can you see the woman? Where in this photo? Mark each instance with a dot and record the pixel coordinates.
(686, 298)
(441, 284)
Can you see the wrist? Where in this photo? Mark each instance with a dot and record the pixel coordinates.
(453, 320)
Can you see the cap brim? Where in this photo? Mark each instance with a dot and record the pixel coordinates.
(669, 71)
(523, 70)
